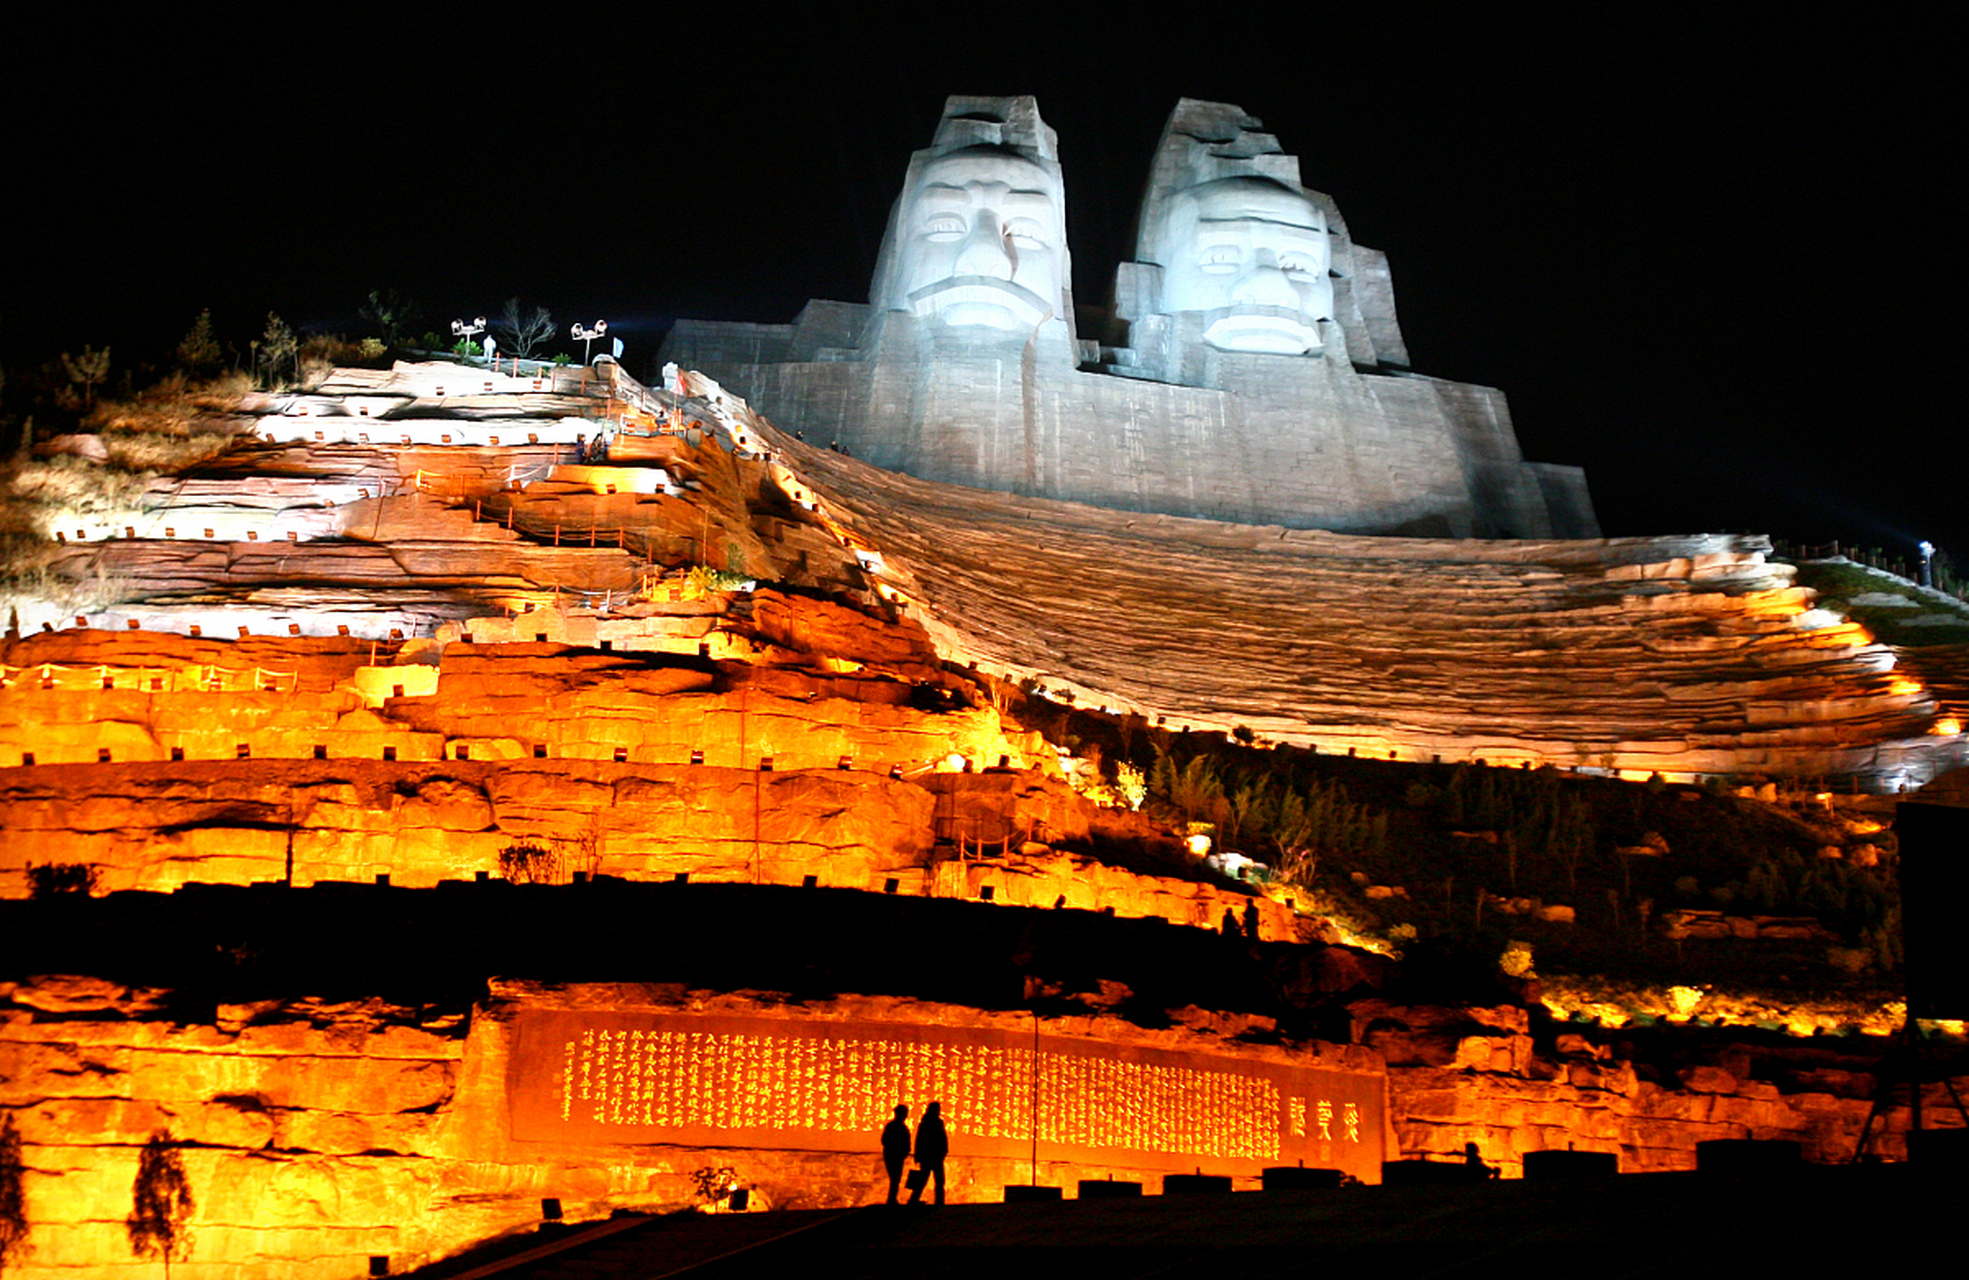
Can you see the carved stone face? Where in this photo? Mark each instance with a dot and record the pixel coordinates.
(1251, 256)
(980, 240)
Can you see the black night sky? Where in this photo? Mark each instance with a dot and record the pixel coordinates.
(1704, 257)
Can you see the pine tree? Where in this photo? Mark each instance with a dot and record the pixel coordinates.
(88, 369)
(198, 350)
(278, 346)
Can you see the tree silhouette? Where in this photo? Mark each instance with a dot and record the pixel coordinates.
(393, 314)
(13, 1203)
(524, 332)
(277, 347)
(160, 1203)
(198, 351)
(87, 369)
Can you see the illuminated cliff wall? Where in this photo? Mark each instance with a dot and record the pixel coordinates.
(321, 1134)
(318, 1134)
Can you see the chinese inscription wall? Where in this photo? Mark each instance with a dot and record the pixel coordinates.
(598, 1076)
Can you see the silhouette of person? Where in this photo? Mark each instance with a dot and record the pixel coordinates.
(1229, 928)
(932, 1145)
(895, 1148)
(1251, 920)
(1475, 1163)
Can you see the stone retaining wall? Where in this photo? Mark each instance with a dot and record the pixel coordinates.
(319, 1135)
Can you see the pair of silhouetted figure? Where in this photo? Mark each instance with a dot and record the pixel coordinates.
(932, 1145)
(1230, 927)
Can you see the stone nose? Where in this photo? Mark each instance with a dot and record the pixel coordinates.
(985, 252)
(1262, 284)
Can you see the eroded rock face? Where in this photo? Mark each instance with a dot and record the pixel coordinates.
(1685, 656)
(1460, 1075)
(155, 827)
(319, 1134)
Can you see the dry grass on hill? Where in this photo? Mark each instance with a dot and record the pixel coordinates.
(164, 429)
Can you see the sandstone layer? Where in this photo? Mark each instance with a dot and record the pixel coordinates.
(316, 1135)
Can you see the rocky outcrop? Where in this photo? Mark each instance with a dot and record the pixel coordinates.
(315, 1135)
(1458, 1076)
(1686, 656)
(156, 827)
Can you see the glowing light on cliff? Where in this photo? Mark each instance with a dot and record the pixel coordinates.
(1947, 727)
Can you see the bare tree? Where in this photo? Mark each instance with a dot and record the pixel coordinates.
(524, 333)
(160, 1209)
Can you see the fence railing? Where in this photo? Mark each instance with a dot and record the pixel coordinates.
(1944, 580)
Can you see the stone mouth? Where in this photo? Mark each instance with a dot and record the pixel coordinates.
(982, 301)
(1265, 330)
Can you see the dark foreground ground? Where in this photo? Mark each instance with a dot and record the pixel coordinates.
(1815, 1222)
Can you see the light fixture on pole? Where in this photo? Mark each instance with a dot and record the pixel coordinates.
(587, 336)
(1927, 550)
(464, 331)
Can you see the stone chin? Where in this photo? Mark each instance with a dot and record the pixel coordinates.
(1278, 331)
(983, 302)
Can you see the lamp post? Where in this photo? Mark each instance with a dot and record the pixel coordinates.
(1927, 550)
(466, 331)
(587, 336)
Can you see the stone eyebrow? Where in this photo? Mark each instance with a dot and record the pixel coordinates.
(1270, 222)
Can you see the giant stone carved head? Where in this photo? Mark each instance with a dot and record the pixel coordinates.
(978, 236)
(1251, 256)
(1239, 242)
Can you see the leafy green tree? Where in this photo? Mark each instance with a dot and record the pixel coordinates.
(160, 1210)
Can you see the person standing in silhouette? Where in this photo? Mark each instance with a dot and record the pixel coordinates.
(932, 1145)
(895, 1148)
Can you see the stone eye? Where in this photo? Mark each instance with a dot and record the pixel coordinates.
(1220, 259)
(1025, 235)
(945, 226)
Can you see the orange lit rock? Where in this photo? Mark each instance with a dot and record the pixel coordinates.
(326, 1133)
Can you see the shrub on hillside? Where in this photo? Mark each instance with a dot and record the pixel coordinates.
(58, 879)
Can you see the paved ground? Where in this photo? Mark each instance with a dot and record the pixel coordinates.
(1814, 1223)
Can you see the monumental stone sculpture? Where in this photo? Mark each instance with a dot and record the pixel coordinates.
(978, 238)
(1250, 256)
(1254, 370)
